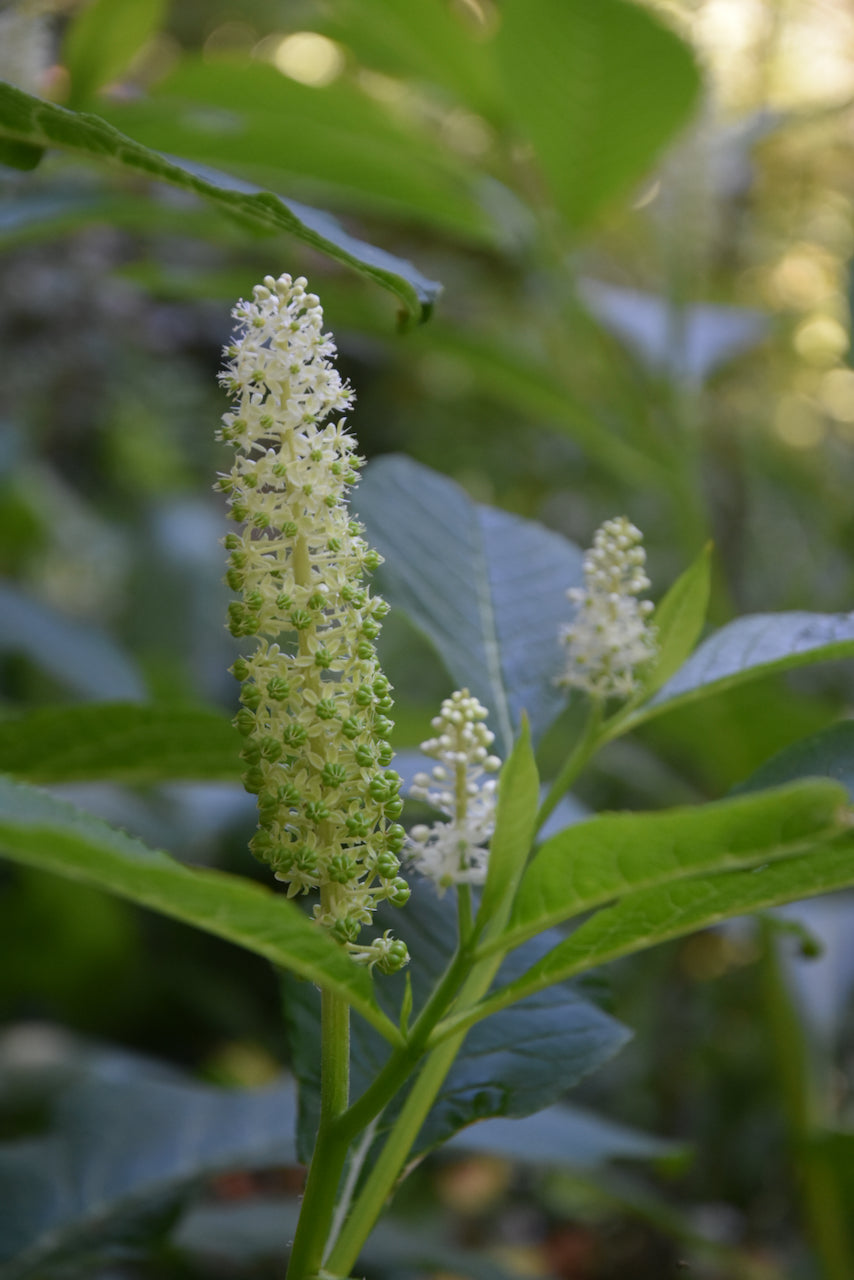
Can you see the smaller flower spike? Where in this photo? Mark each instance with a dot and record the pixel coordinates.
(315, 703)
(609, 639)
(455, 852)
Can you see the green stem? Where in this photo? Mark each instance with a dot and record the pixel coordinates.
(585, 745)
(823, 1199)
(392, 1158)
(330, 1151)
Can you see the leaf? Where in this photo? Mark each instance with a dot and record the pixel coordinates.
(427, 41)
(598, 89)
(33, 121)
(565, 1136)
(513, 838)
(652, 916)
(511, 1066)
(678, 621)
(102, 40)
(487, 588)
(39, 831)
(78, 655)
(243, 1232)
(827, 754)
(246, 117)
(124, 1147)
(688, 344)
(123, 742)
(751, 647)
(615, 854)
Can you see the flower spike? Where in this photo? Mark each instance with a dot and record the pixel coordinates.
(315, 701)
(456, 852)
(609, 639)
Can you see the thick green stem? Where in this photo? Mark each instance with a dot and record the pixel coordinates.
(330, 1151)
(585, 746)
(394, 1154)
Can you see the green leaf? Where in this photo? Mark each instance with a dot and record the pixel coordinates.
(20, 155)
(123, 742)
(38, 123)
(827, 754)
(510, 1066)
(126, 1144)
(488, 588)
(652, 916)
(751, 647)
(427, 41)
(40, 831)
(102, 39)
(250, 119)
(679, 621)
(598, 89)
(614, 854)
(565, 1137)
(515, 827)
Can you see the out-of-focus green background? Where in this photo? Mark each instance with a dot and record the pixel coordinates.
(673, 344)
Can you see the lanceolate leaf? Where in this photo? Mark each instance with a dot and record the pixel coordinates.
(103, 38)
(40, 831)
(645, 919)
(678, 621)
(754, 646)
(598, 88)
(515, 825)
(123, 742)
(593, 862)
(43, 124)
(488, 588)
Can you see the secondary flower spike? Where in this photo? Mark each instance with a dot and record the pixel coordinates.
(315, 702)
(456, 852)
(610, 638)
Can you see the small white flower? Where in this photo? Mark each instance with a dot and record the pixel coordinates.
(610, 638)
(456, 852)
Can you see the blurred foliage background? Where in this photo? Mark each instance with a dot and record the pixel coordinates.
(665, 334)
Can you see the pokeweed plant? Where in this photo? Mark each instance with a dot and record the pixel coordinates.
(314, 725)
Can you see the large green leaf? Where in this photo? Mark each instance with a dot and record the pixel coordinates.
(123, 742)
(248, 118)
(31, 120)
(756, 645)
(488, 588)
(102, 40)
(512, 1065)
(598, 89)
(652, 916)
(40, 831)
(610, 856)
(827, 754)
(124, 1146)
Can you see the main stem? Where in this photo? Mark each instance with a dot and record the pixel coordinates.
(330, 1150)
(394, 1154)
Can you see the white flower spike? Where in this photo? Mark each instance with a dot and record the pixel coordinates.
(610, 638)
(455, 852)
(315, 702)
